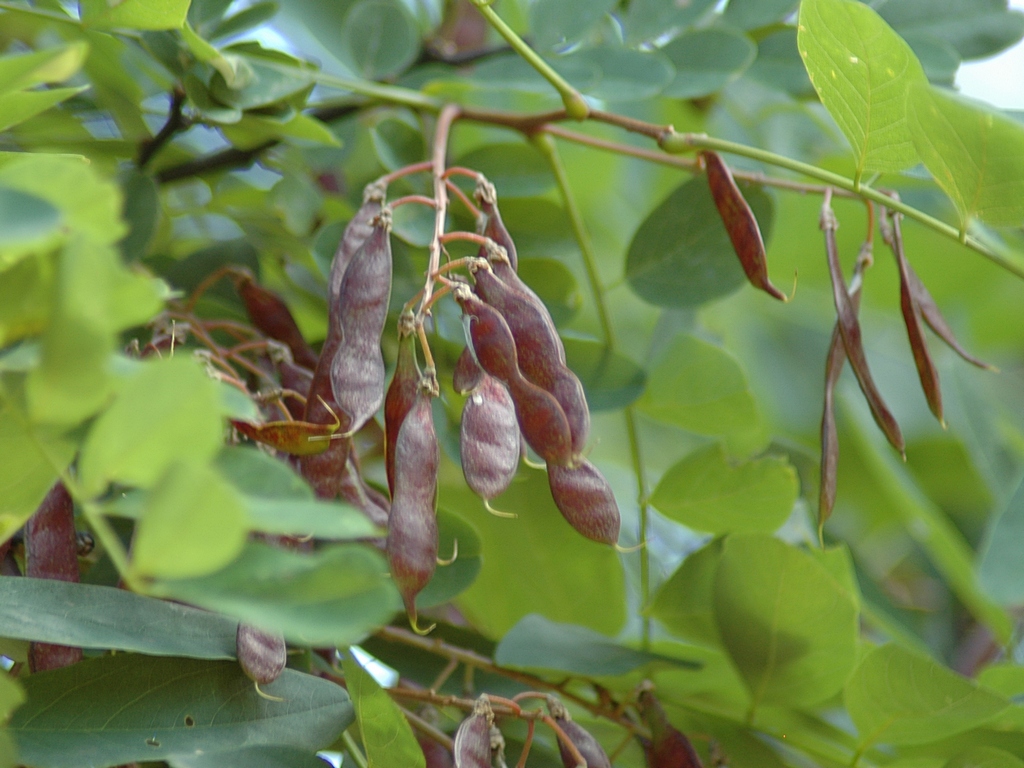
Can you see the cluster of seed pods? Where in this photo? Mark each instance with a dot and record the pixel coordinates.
(518, 390)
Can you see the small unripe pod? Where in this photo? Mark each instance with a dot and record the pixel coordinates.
(271, 316)
(401, 393)
(587, 745)
(262, 655)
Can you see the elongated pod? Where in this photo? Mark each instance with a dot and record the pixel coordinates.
(489, 439)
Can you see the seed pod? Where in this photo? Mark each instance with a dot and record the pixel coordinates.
(935, 320)
(271, 316)
(540, 417)
(538, 348)
(473, 738)
(412, 525)
(667, 747)
(467, 374)
(357, 368)
(740, 223)
(402, 392)
(586, 501)
(51, 552)
(494, 228)
(849, 329)
(587, 745)
(489, 439)
(356, 232)
(353, 489)
(262, 655)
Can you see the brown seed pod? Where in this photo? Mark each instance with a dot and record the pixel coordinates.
(355, 490)
(467, 374)
(487, 198)
(473, 738)
(586, 501)
(587, 745)
(262, 655)
(271, 316)
(740, 223)
(412, 525)
(401, 393)
(849, 329)
(538, 349)
(357, 368)
(540, 417)
(489, 439)
(667, 747)
(51, 552)
(357, 230)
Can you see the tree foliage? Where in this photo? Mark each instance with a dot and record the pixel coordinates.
(812, 567)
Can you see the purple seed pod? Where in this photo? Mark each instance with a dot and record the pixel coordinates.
(354, 489)
(489, 439)
(357, 368)
(412, 524)
(262, 655)
(540, 417)
(467, 374)
(539, 350)
(473, 738)
(586, 501)
(401, 393)
(587, 745)
(356, 231)
(494, 228)
(51, 552)
(271, 316)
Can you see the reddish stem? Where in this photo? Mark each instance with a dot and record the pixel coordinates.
(421, 199)
(408, 170)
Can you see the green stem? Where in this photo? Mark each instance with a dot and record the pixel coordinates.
(547, 146)
(576, 106)
(353, 749)
(110, 540)
(391, 94)
(678, 142)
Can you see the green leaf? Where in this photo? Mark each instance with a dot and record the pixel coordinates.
(378, 38)
(985, 757)
(650, 19)
(516, 170)
(252, 757)
(30, 460)
(89, 616)
(194, 523)
(19, 106)
(685, 602)
(11, 696)
(706, 60)
(53, 65)
(398, 142)
(974, 28)
(248, 18)
(454, 535)
(862, 71)
(25, 297)
(750, 14)
(126, 708)
(789, 626)
(554, 566)
(168, 410)
(90, 204)
(538, 643)
(615, 73)
(134, 14)
(561, 22)
(975, 154)
(701, 388)
(254, 130)
(681, 255)
(999, 571)
(27, 223)
(335, 596)
(900, 696)
(141, 212)
(387, 738)
(273, 78)
(708, 492)
(610, 380)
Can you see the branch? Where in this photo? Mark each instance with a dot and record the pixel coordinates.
(176, 122)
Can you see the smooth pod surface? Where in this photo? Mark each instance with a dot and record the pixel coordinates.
(489, 439)
(357, 367)
(359, 227)
(587, 745)
(401, 394)
(412, 524)
(467, 373)
(262, 655)
(586, 501)
(271, 316)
